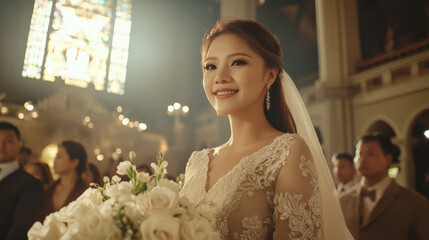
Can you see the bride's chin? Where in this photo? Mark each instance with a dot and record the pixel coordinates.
(221, 112)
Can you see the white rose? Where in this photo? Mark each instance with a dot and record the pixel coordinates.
(75, 210)
(162, 227)
(120, 192)
(123, 167)
(159, 199)
(52, 228)
(94, 226)
(172, 185)
(93, 195)
(143, 177)
(198, 229)
(131, 213)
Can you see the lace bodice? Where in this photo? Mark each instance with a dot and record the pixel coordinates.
(270, 194)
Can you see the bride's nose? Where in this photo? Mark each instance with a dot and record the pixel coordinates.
(223, 76)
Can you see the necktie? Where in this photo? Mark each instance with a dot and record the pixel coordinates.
(365, 193)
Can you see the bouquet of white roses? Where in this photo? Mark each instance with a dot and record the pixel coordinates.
(145, 207)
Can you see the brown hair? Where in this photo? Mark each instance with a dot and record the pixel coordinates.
(77, 151)
(264, 43)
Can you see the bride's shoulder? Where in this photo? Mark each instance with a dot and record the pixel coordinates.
(290, 138)
(198, 156)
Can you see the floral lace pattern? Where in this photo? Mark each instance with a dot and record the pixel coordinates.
(245, 200)
(303, 218)
(253, 229)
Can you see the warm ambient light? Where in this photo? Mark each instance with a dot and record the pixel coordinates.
(118, 150)
(100, 157)
(4, 110)
(29, 106)
(177, 106)
(185, 109)
(143, 126)
(170, 108)
(125, 121)
(426, 133)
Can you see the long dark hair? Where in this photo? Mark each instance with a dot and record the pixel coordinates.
(76, 151)
(263, 42)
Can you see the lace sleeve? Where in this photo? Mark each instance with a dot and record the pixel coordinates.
(297, 202)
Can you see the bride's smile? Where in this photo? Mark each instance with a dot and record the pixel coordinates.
(235, 76)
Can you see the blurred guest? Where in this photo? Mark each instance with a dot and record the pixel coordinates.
(378, 208)
(144, 168)
(170, 177)
(91, 174)
(40, 171)
(69, 164)
(344, 171)
(24, 156)
(21, 195)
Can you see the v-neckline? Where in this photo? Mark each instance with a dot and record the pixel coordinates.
(234, 169)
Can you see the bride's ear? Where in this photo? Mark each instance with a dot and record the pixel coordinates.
(271, 75)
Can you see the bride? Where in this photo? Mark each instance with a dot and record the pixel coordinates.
(270, 179)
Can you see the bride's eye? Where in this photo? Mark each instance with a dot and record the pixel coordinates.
(209, 67)
(238, 62)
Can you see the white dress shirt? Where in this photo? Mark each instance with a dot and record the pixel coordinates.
(8, 168)
(367, 204)
(343, 187)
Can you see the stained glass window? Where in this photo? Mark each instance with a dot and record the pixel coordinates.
(81, 37)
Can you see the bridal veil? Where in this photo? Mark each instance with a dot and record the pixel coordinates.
(333, 220)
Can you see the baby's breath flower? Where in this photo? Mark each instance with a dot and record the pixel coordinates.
(116, 179)
(132, 156)
(143, 177)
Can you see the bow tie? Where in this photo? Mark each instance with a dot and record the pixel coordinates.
(365, 193)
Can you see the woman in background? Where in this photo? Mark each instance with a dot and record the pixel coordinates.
(40, 171)
(92, 174)
(69, 164)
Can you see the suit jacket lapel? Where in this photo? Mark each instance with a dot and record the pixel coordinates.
(388, 197)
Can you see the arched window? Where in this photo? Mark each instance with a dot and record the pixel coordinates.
(420, 151)
(81, 42)
(381, 127)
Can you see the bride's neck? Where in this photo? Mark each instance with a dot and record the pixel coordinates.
(248, 130)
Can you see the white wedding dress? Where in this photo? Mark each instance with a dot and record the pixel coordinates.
(270, 194)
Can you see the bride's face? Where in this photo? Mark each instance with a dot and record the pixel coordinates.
(234, 76)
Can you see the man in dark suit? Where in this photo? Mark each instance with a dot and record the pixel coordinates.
(344, 171)
(21, 195)
(378, 208)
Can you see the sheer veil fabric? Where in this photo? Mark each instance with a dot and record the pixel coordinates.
(333, 220)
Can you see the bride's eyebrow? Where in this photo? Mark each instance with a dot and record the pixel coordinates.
(230, 55)
(239, 54)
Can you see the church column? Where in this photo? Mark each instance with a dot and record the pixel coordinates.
(339, 51)
(406, 176)
(245, 9)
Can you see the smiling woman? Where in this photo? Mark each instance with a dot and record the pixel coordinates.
(270, 179)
